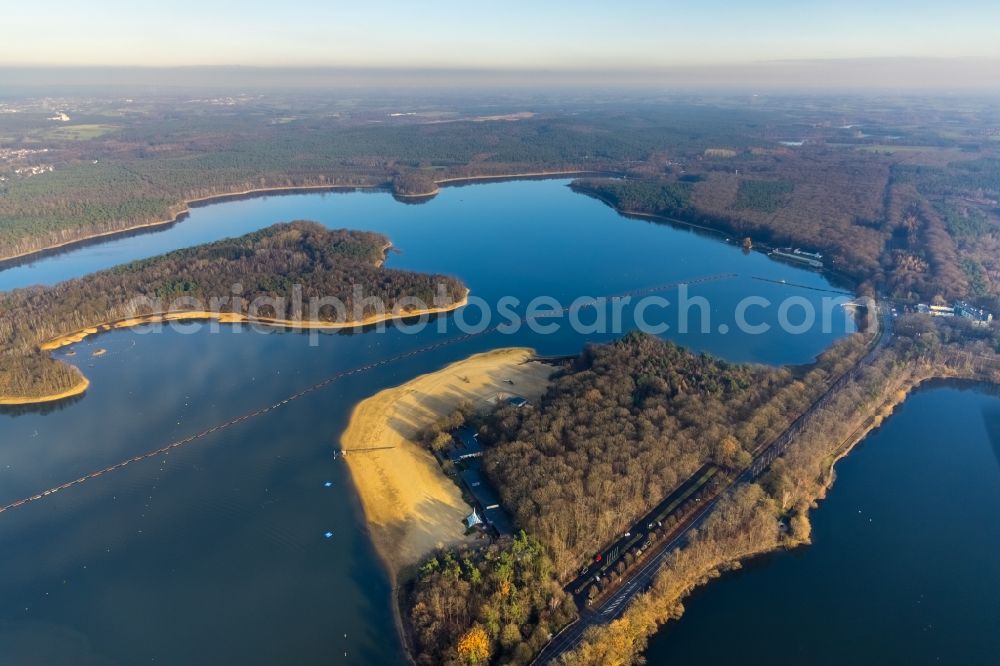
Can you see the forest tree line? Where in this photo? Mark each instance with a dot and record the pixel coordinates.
(774, 513)
(837, 199)
(619, 428)
(143, 177)
(266, 264)
(913, 233)
(616, 434)
(497, 604)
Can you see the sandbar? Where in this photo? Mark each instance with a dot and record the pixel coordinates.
(411, 506)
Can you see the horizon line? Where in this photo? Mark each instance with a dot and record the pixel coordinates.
(502, 68)
(879, 72)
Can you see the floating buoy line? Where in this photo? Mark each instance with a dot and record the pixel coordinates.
(554, 312)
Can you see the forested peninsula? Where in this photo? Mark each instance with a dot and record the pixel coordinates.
(275, 267)
(620, 428)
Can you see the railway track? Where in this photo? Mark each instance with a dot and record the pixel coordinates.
(639, 580)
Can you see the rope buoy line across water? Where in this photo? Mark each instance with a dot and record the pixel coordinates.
(330, 380)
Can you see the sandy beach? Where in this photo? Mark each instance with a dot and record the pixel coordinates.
(79, 389)
(411, 506)
(221, 317)
(234, 318)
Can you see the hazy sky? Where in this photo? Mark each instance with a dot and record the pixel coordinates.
(512, 33)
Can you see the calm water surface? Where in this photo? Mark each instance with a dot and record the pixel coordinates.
(903, 568)
(216, 552)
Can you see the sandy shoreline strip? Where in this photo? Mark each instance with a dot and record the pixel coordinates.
(410, 505)
(221, 317)
(234, 318)
(79, 389)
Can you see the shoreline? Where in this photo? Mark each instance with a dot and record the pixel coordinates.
(185, 210)
(238, 318)
(729, 237)
(422, 195)
(527, 175)
(531, 175)
(877, 415)
(875, 421)
(411, 506)
(79, 389)
(221, 317)
(625, 212)
(186, 205)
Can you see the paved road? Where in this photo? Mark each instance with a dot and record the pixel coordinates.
(612, 607)
(639, 533)
(640, 579)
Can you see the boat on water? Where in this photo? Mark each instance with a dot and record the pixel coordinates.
(813, 259)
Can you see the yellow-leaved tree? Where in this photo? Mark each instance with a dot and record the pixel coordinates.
(474, 646)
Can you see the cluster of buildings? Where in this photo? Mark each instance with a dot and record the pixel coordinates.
(978, 316)
(227, 100)
(814, 259)
(33, 170)
(16, 154)
(466, 454)
(11, 154)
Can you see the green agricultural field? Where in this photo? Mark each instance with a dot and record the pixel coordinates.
(75, 132)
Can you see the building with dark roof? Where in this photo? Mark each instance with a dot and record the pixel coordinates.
(517, 401)
(487, 500)
(466, 445)
(969, 311)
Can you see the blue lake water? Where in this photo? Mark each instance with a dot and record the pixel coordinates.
(217, 551)
(903, 568)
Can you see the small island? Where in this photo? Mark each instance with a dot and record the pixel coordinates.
(275, 268)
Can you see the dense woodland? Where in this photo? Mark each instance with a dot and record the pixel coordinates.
(747, 522)
(767, 196)
(813, 213)
(960, 204)
(910, 205)
(621, 427)
(266, 264)
(626, 425)
(905, 207)
(414, 183)
(917, 234)
(492, 605)
(645, 196)
(141, 176)
(615, 435)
